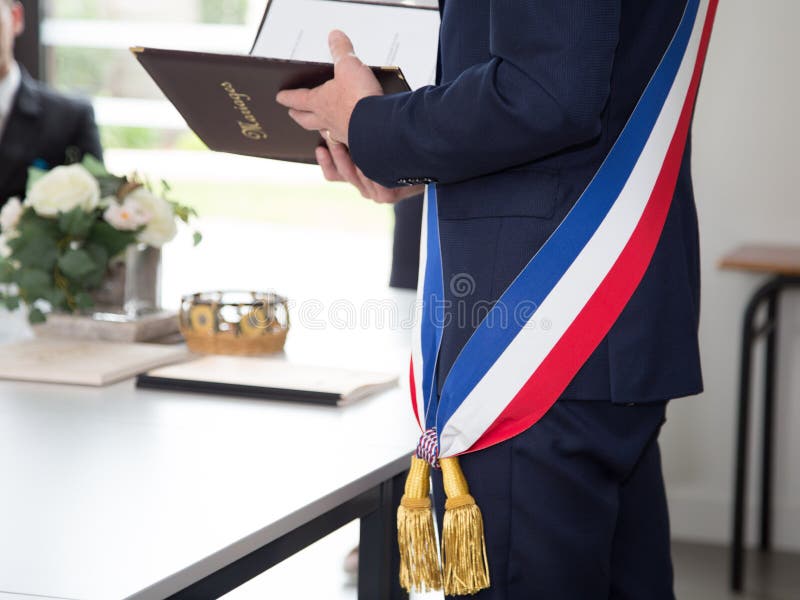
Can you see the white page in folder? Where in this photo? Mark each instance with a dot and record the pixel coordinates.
(382, 35)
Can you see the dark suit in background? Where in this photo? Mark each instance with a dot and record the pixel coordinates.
(42, 125)
(530, 98)
(405, 247)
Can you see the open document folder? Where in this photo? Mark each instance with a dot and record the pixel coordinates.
(228, 100)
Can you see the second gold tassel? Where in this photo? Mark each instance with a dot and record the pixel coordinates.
(466, 568)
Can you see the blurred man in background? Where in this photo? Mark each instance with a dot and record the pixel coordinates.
(405, 248)
(37, 124)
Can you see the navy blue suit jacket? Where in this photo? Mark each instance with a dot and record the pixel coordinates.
(531, 96)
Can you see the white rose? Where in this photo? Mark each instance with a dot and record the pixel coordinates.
(128, 216)
(162, 227)
(10, 214)
(63, 189)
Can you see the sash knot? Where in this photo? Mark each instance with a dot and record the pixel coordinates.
(428, 447)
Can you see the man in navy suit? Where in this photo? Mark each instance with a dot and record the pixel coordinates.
(530, 97)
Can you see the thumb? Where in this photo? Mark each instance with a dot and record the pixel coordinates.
(340, 45)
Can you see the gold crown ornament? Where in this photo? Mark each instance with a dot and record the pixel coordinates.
(234, 322)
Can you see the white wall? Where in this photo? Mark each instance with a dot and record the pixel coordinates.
(746, 166)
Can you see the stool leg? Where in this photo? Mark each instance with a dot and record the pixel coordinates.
(742, 435)
(767, 441)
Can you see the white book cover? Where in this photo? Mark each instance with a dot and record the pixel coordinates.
(58, 360)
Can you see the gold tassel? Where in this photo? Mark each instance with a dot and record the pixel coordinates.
(466, 568)
(419, 560)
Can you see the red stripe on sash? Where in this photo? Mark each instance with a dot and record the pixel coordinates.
(413, 385)
(594, 321)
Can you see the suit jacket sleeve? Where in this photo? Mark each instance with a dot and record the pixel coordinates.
(87, 137)
(543, 90)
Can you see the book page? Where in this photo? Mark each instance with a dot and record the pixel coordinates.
(275, 373)
(382, 35)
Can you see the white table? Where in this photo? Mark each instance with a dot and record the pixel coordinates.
(115, 492)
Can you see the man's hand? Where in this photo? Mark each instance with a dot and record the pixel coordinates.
(327, 108)
(338, 166)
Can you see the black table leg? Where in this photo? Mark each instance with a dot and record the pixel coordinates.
(378, 558)
(256, 562)
(767, 441)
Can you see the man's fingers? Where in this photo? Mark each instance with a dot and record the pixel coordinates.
(306, 120)
(375, 190)
(326, 163)
(340, 45)
(337, 165)
(344, 164)
(297, 99)
(346, 168)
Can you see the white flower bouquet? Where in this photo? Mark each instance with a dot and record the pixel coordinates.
(56, 245)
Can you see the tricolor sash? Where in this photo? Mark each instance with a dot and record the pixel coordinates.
(515, 365)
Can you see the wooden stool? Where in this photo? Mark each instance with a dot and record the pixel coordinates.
(782, 264)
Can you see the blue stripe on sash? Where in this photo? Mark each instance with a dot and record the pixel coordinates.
(547, 267)
(432, 308)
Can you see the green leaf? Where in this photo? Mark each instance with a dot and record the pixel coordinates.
(76, 264)
(100, 258)
(184, 213)
(83, 300)
(94, 166)
(36, 246)
(11, 302)
(36, 316)
(109, 185)
(7, 271)
(30, 220)
(77, 222)
(197, 237)
(34, 284)
(34, 249)
(57, 299)
(113, 240)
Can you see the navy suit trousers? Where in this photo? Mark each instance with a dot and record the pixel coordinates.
(574, 508)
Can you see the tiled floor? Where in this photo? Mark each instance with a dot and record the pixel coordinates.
(701, 573)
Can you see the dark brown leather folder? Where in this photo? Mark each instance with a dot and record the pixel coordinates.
(229, 100)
